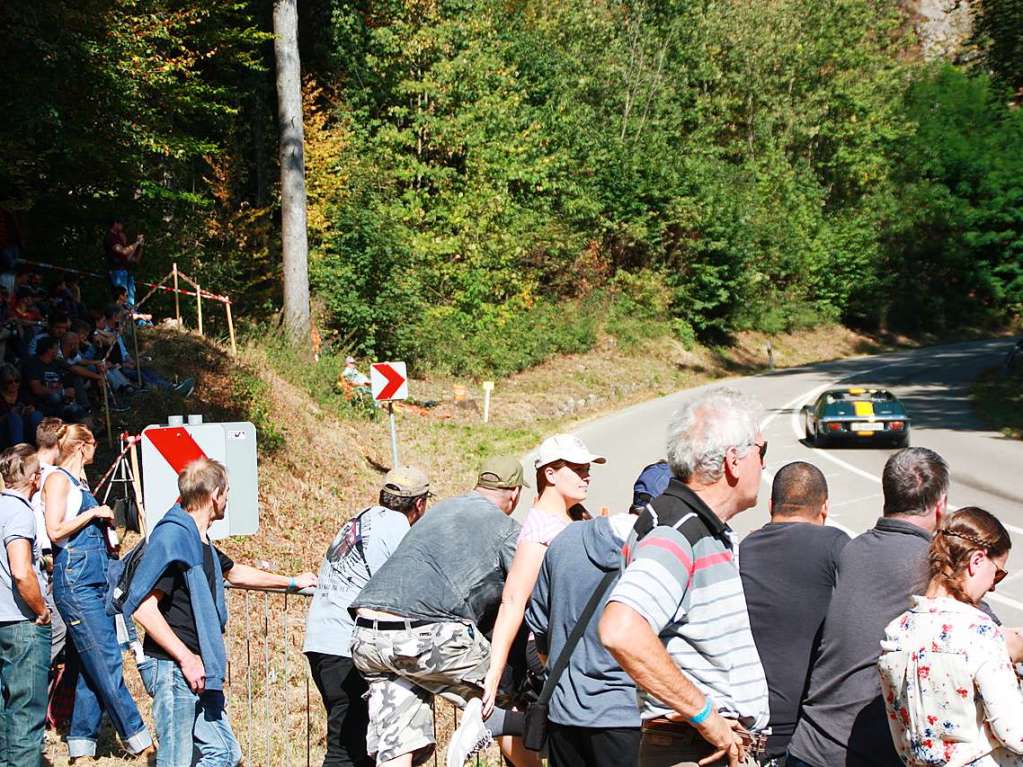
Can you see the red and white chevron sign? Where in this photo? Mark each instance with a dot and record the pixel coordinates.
(389, 381)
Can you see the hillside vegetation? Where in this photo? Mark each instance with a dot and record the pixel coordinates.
(490, 182)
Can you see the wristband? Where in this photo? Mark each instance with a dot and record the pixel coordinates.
(701, 717)
(292, 585)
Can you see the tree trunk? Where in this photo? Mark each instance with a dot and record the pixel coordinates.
(292, 158)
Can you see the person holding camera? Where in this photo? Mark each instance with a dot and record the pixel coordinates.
(79, 529)
(122, 258)
(24, 614)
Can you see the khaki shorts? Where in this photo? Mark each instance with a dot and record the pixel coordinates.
(404, 670)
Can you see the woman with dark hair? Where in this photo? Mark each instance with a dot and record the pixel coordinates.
(949, 687)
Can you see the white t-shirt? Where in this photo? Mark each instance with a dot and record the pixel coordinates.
(346, 569)
(40, 512)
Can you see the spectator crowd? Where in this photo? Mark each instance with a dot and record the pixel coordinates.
(58, 353)
(653, 637)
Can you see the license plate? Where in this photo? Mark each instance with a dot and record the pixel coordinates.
(868, 426)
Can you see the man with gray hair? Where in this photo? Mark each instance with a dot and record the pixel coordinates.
(677, 620)
(843, 716)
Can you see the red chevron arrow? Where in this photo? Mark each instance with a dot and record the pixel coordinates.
(395, 380)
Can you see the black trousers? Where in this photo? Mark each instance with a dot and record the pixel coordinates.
(592, 747)
(342, 688)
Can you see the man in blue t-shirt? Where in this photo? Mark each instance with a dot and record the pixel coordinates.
(362, 545)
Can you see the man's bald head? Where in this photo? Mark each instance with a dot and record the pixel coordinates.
(799, 490)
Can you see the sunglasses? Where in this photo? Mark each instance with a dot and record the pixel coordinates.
(760, 446)
(999, 572)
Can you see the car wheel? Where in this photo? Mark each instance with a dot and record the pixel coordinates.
(820, 440)
(902, 441)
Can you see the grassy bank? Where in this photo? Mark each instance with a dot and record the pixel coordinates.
(998, 399)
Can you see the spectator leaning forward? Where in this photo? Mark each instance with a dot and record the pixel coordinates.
(417, 636)
(360, 548)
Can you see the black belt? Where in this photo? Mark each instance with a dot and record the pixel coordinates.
(371, 623)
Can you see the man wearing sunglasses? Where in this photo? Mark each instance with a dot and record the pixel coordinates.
(677, 620)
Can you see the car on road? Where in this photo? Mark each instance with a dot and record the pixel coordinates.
(856, 415)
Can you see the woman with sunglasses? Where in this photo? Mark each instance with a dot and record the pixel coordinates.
(562, 483)
(77, 526)
(951, 693)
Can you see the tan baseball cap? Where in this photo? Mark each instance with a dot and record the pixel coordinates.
(406, 482)
(502, 472)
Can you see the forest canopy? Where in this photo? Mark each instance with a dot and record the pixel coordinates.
(493, 182)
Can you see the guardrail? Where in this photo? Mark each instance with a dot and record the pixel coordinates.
(275, 709)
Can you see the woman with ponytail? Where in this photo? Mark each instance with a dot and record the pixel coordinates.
(78, 528)
(951, 693)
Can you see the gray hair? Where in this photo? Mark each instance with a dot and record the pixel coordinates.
(914, 480)
(705, 427)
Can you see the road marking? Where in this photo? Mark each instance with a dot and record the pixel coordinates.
(797, 431)
(994, 596)
(813, 393)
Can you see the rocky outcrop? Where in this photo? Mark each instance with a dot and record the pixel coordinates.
(942, 26)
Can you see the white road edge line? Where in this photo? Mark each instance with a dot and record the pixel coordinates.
(768, 477)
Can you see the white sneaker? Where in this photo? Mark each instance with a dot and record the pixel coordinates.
(470, 737)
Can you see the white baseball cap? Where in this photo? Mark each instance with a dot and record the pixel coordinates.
(565, 447)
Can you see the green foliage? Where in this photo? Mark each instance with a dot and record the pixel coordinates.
(251, 392)
(956, 245)
(493, 183)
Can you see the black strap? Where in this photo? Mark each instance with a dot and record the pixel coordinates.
(573, 639)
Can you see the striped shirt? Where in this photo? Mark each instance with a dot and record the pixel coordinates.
(682, 576)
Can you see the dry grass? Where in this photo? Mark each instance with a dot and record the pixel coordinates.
(327, 468)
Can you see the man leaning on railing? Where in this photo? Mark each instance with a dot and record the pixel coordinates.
(177, 594)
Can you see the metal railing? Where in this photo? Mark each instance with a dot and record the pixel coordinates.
(275, 710)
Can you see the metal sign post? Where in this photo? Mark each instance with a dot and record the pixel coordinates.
(389, 382)
(394, 434)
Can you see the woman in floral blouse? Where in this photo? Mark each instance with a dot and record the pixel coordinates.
(951, 693)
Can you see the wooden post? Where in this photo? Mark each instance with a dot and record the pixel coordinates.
(230, 329)
(138, 362)
(106, 411)
(198, 304)
(138, 489)
(177, 298)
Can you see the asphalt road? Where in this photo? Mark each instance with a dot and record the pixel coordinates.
(987, 469)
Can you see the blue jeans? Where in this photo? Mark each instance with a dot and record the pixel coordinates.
(126, 279)
(186, 722)
(79, 588)
(24, 673)
(19, 428)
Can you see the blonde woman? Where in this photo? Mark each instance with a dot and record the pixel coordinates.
(950, 691)
(76, 525)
